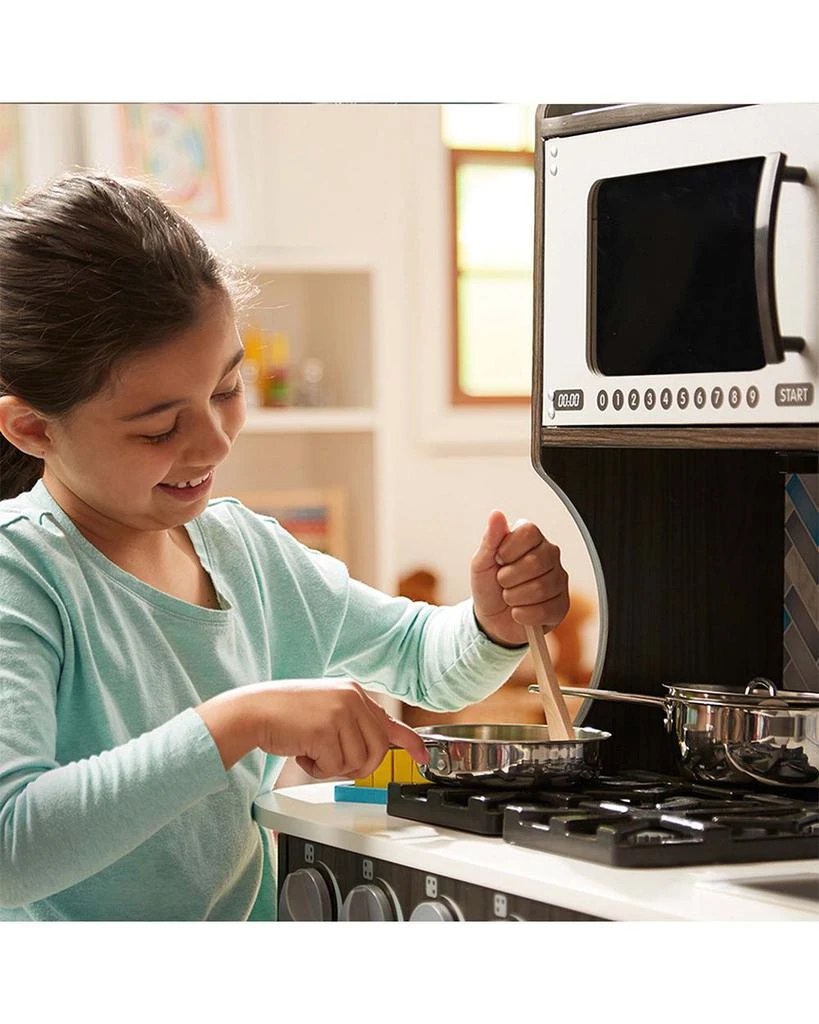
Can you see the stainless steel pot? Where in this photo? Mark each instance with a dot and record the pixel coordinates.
(765, 735)
(509, 755)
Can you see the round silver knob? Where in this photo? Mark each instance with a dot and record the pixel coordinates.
(367, 903)
(305, 897)
(433, 910)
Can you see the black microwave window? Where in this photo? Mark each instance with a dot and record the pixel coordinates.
(673, 287)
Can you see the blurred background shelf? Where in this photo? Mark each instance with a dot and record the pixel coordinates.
(323, 304)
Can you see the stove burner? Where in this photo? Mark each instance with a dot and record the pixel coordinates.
(636, 819)
(467, 810)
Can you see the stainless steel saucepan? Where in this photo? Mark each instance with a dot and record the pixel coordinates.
(509, 755)
(764, 735)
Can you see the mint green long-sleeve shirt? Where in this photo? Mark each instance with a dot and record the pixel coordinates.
(114, 803)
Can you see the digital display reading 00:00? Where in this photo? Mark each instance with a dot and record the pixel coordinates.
(570, 400)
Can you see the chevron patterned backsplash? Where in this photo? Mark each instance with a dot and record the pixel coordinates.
(800, 656)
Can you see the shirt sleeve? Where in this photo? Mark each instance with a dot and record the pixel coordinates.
(61, 823)
(430, 656)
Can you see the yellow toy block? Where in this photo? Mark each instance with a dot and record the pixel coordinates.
(384, 772)
(397, 766)
(402, 766)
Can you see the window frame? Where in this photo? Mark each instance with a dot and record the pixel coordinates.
(458, 157)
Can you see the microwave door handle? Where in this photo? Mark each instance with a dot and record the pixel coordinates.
(774, 172)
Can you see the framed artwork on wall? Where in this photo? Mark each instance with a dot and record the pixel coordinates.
(316, 517)
(184, 150)
(178, 144)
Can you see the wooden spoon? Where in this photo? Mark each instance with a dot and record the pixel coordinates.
(557, 714)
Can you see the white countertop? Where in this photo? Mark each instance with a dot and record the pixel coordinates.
(701, 893)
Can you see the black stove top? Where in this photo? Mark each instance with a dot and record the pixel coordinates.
(634, 819)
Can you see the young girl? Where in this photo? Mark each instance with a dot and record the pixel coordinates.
(161, 653)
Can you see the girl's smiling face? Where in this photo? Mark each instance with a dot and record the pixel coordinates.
(168, 417)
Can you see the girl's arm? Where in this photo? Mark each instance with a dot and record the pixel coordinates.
(61, 823)
(430, 656)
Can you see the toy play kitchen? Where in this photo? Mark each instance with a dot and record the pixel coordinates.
(676, 340)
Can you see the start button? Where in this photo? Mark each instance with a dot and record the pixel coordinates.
(794, 394)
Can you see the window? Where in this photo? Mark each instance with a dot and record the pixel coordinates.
(492, 180)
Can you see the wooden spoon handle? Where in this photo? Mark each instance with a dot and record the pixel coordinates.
(554, 706)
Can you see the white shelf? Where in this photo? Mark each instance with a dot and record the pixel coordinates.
(294, 420)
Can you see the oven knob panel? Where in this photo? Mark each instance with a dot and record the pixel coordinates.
(367, 903)
(436, 910)
(305, 896)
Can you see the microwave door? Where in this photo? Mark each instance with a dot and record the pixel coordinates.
(673, 285)
(683, 269)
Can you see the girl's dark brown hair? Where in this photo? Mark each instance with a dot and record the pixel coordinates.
(93, 270)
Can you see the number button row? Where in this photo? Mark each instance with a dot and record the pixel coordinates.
(682, 398)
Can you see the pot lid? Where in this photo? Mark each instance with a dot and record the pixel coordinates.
(760, 692)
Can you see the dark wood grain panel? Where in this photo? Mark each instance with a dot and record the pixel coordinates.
(691, 546)
(774, 438)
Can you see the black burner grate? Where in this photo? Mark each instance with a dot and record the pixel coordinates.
(467, 810)
(636, 819)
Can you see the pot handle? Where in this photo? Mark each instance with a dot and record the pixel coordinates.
(438, 758)
(632, 698)
(760, 684)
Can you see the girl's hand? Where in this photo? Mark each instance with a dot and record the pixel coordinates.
(331, 727)
(517, 580)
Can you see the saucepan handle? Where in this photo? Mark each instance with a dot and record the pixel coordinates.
(631, 698)
(438, 755)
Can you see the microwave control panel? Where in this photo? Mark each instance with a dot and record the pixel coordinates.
(633, 403)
